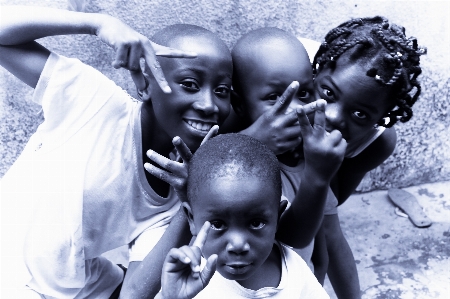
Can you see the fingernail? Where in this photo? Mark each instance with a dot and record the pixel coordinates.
(176, 140)
(187, 260)
(196, 268)
(147, 166)
(166, 89)
(149, 153)
(294, 84)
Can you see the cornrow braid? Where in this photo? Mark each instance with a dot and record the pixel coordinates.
(394, 59)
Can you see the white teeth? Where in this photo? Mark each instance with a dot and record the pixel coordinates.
(199, 125)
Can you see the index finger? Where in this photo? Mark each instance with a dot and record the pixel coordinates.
(171, 52)
(211, 133)
(303, 121)
(286, 98)
(155, 68)
(182, 149)
(202, 234)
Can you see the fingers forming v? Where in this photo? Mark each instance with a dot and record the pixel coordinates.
(155, 68)
(285, 99)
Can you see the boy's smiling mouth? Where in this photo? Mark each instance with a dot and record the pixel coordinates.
(199, 125)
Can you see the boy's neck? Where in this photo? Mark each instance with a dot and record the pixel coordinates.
(268, 275)
(154, 138)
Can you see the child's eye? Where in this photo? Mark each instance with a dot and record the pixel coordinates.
(327, 92)
(257, 224)
(359, 114)
(222, 91)
(190, 85)
(272, 97)
(218, 225)
(303, 94)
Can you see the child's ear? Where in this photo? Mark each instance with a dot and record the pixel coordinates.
(237, 103)
(188, 211)
(282, 207)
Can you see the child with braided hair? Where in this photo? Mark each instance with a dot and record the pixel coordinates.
(367, 71)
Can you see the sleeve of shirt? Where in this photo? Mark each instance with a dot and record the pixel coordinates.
(145, 242)
(71, 93)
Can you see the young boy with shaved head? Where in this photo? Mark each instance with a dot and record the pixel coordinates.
(233, 207)
(266, 61)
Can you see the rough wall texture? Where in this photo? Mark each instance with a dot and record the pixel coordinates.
(422, 154)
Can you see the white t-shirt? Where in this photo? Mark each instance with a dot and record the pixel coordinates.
(297, 281)
(79, 188)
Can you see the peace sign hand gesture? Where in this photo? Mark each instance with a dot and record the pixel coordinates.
(323, 151)
(277, 128)
(175, 173)
(131, 46)
(181, 276)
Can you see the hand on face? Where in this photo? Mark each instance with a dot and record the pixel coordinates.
(323, 151)
(175, 173)
(277, 128)
(131, 46)
(181, 277)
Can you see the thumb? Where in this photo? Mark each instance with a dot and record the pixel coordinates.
(209, 269)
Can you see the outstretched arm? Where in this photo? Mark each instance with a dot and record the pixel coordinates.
(323, 153)
(21, 25)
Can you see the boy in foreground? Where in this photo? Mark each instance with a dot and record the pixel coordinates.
(234, 190)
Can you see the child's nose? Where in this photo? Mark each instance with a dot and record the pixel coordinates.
(205, 103)
(334, 116)
(237, 243)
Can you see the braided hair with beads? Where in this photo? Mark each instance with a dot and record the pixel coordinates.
(391, 58)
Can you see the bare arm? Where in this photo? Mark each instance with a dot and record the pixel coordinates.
(352, 170)
(143, 279)
(23, 24)
(323, 153)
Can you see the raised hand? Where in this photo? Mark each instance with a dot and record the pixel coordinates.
(323, 151)
(277, 128)
(131, 46)
(175, 173)
(181, 277)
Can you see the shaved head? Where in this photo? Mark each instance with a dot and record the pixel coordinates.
(262, 45)
(233, 155)
(170, 34)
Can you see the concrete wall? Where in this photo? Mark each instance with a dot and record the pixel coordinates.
(422, 154)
